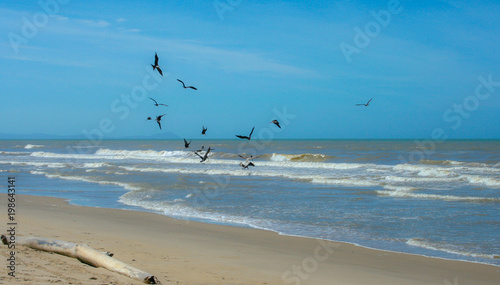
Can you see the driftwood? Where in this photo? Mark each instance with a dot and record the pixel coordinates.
(84, 254)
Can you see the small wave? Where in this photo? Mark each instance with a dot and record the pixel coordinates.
(407, 193)
(317, 179)
(139, 153)
(40, 164)
(127, 186)
(304, 157)
(30, 146)
(417, 242)
(420, 179)
(96, 165)
(454, 163)
(13, 153)
(483, 180)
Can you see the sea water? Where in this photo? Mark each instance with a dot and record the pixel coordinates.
(439, 199)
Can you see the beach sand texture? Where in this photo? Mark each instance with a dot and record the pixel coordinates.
(181, 252)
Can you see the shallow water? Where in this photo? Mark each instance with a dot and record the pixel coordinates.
(435, 199)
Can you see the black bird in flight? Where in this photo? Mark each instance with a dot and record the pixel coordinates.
(184, 85)
(186, 144)
(366, 105)
(245, 137)
(158, 119)
(248, 158)
(205, 156)
(246, 164)
(203, 130)
(156, 66)
(156, 103)
(276, 123)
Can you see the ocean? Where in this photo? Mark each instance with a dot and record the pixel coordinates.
(439, 199)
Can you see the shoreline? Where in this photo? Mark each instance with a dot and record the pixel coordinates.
(188, 252)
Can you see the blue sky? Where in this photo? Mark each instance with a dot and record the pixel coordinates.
(423, 62)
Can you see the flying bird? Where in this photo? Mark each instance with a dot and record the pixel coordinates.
(245, 137)
(203, 130)
(205, 156)
(366, 105)
(276, 123)
(248, 158)
(156, 103)
(184, 85)
(246, 164)
(158, 119)
(186, 144)
(156, 66)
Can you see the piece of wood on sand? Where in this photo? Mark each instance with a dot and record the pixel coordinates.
(84, 254)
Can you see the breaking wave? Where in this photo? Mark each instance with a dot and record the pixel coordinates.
(417, 242)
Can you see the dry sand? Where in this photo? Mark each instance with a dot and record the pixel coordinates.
(180, 252)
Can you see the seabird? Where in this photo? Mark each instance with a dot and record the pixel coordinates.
(186, 144)
(247, 164)
(203, 130)
(276, 123)
(184, 85)
(156, 103)
(248, 158)
(156, 66)
(158, 119)
(200, 150)
(205, 156)
(366, 105)
(245, 137)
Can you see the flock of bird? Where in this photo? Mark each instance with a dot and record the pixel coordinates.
(204, 156)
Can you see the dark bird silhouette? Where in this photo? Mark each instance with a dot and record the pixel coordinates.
(366, 105)
(184, 85)
(156, 103)
(158, 119)
(156, 66)
(186, 144)
(205, 156)
(276, 123)
(203, 130)
(200, 150)
(245, 137)
(248, 158)
(246, 164)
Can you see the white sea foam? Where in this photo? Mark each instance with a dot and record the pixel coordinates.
(127, 186)
(139, 153)
(409, 194)
(483, 180)
(447, 248)
(30, 146)
(13, 153)
(184, 157)
(319, 179)
(40, 164)
(181, 210)
(96, 165)
(62, 155)
(405, 179)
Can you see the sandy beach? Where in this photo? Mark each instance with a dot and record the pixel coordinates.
(181, 252)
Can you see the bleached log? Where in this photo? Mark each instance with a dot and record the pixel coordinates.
(84, 254)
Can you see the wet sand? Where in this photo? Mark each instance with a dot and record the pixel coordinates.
(181, 252)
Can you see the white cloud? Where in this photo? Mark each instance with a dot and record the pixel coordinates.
(94, 23)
